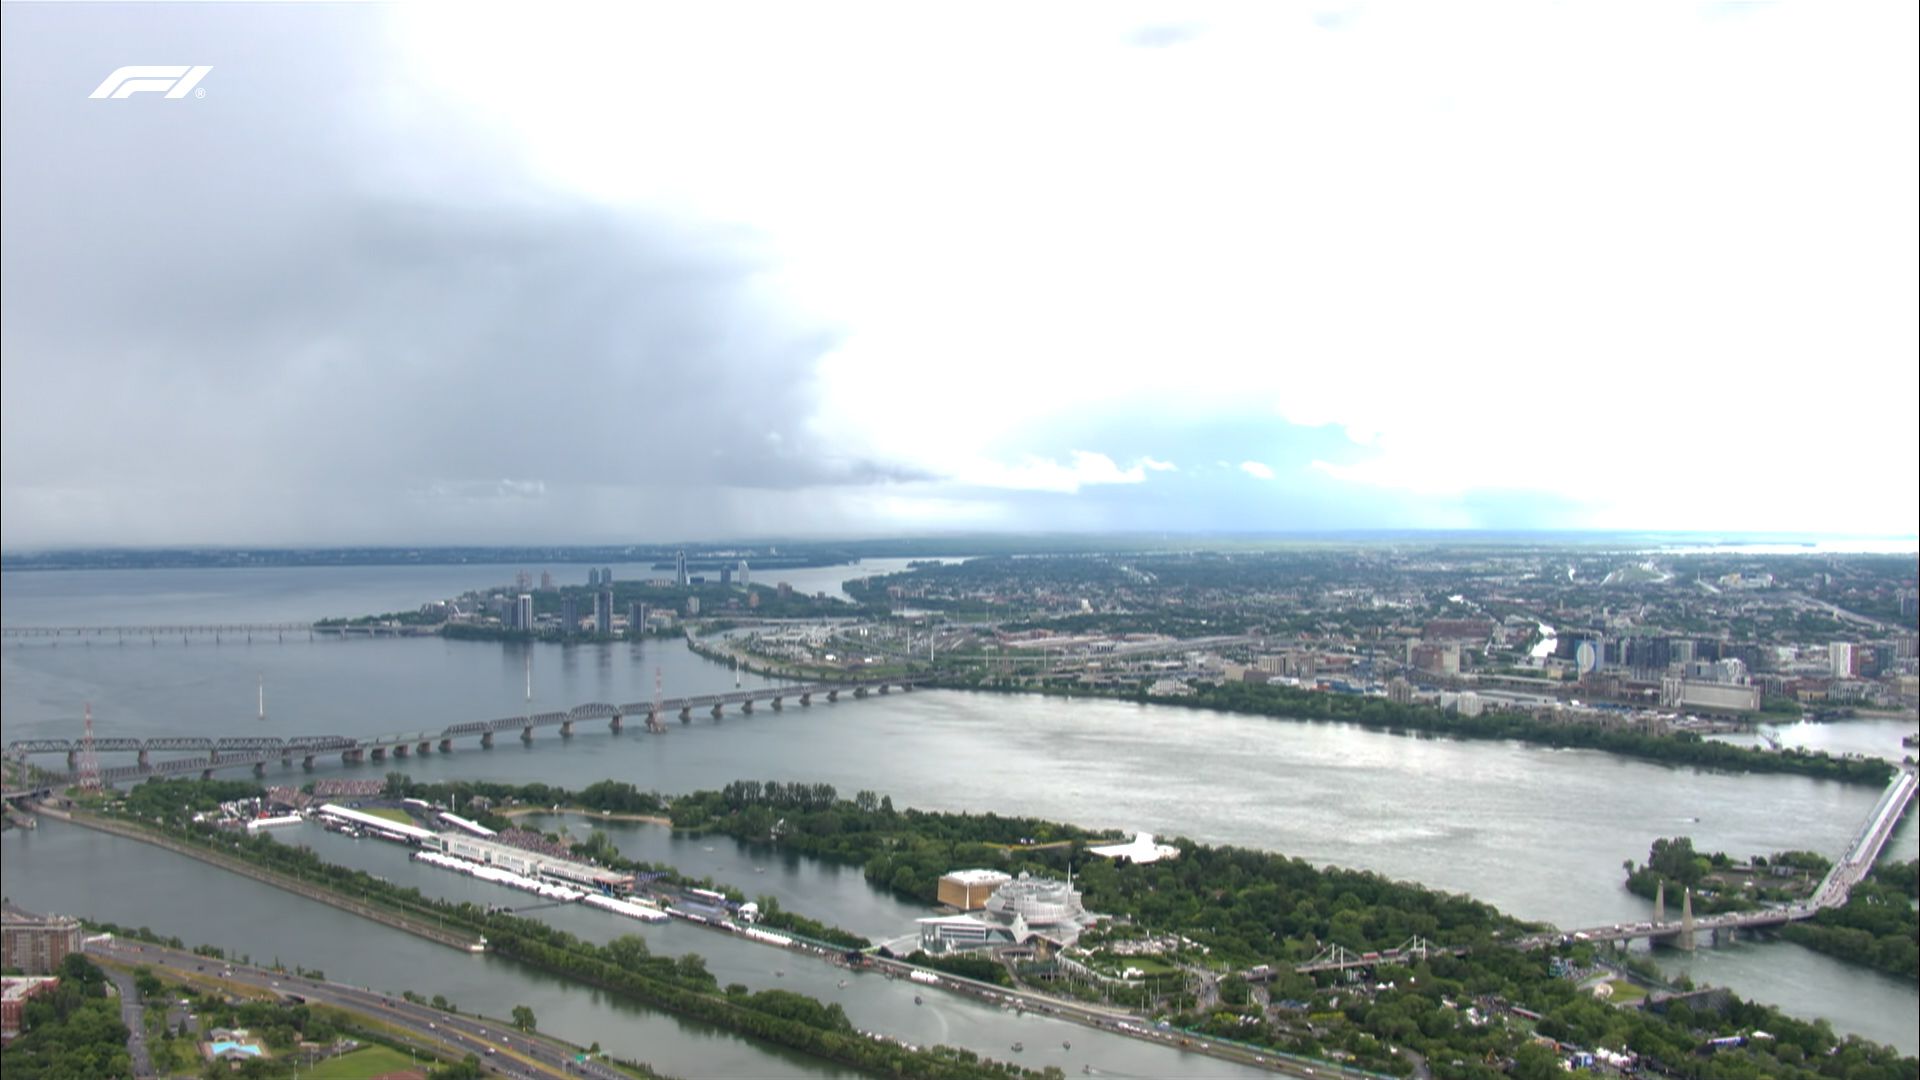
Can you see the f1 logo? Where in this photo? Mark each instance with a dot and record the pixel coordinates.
(176, 80)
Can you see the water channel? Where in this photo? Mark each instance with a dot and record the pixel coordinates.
(1540, 833)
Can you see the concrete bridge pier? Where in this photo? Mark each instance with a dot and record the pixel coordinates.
(885, 689)
(146, 762)
(486, 740)
(777, 705)
(379, 753)
(1686, 921)
(73, 761)
(425, 747)
(906, 687)
(806, 698)
(307, 763)
(615, 725)
(859, 691)
(566, 729)
(400, 751)
(206, 774)
(686, 715)
(446, 746)
(719, 710)
(833, 695)
(526, 734)
(259, 768)
(747, 706)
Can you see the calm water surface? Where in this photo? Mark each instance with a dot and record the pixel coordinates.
(1540, 833)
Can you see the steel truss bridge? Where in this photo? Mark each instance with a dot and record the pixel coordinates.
(257, 751)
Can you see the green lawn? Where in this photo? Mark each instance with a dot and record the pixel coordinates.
(1624, 992)
(391, 814)
(362, 1063)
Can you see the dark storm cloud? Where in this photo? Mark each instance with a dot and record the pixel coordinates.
(289, 311)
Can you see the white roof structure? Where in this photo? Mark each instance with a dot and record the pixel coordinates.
(1140, 849)
(380, 824)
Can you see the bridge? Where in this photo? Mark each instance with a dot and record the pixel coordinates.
(257, 751)
(1340, 958)
(217, 631)
(1832, 892)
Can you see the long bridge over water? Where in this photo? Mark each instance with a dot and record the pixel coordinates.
(258, 751)
(1832, 892)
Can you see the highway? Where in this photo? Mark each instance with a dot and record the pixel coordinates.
(501, 1050)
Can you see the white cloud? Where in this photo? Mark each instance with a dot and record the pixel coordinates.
(1046, 474)
(1257, 470)
(1464, 236)
(1152, 465)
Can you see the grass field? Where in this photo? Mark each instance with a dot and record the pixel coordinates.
(1624, 992)
(398, 816)
(362, 1063)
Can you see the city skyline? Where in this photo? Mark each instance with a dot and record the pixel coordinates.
(860, 271)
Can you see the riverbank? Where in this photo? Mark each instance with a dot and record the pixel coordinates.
(581, 811)
(624, 968)
(1380, 714)
(247, 869)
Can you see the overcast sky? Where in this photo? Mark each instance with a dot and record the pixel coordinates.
(478, 274)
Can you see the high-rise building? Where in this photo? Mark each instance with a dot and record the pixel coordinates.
(523, 612)
(745, 578)
(603, 612)
(726, 576)
(636, 618)
(35, 944)
(593, 577)
(522, 581)
(546, 581)
(570, 614)
(680, 568)
(693, 605)
(606, 576)
(1840, 658)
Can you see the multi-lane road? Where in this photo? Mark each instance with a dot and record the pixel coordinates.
(501, 1050)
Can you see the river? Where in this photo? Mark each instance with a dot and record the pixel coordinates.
(1540, 833)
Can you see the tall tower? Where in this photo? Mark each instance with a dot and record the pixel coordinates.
(89, 759)
(680, 568)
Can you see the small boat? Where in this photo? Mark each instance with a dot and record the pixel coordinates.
(779, 973)
(916, 999)
(1065, 1045)
(843, 984)
(1017, 1047)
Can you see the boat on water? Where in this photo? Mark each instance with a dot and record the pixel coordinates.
(1065, 1045)
(843, 984)
(916, 999)
(1017, 1047)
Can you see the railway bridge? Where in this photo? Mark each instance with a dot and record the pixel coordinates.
(211, 754)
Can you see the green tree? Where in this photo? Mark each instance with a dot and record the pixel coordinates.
(523, 1018)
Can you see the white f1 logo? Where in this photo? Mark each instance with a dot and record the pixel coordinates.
(176, 79)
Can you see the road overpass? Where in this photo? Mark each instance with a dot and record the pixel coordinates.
(213, 754)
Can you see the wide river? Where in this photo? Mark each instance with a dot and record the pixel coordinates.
(1540, 833)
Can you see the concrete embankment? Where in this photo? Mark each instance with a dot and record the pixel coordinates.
(384, 916)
